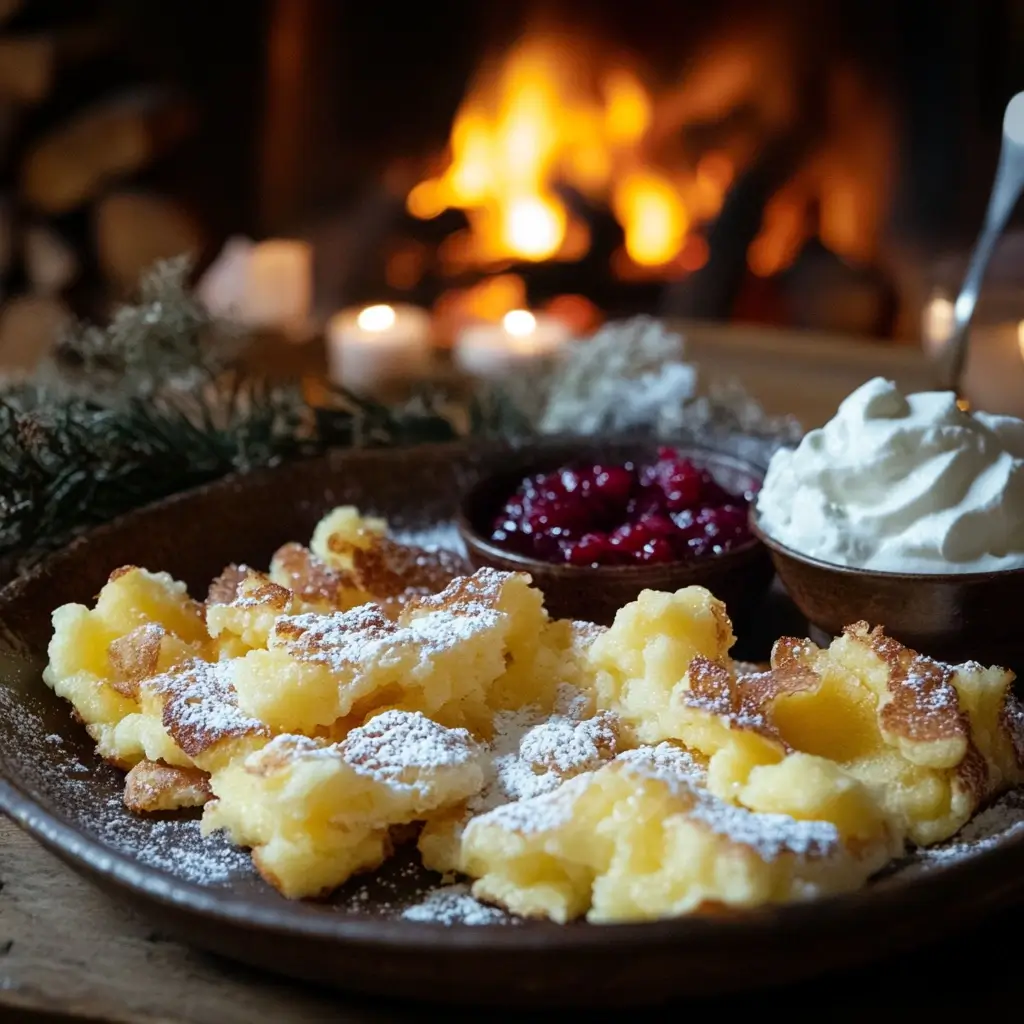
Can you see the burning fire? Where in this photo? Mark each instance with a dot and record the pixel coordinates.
(560, 118)
(536, 128)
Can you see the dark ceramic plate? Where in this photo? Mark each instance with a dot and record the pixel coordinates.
(367, 938)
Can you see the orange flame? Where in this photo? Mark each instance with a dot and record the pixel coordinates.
(562, 113)
(539, 124)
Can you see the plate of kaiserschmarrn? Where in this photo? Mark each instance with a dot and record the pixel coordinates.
(287, 720)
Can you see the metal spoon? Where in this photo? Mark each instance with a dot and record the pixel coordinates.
(1006, 190)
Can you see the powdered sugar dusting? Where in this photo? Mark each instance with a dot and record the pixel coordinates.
(667, 762)
(173, 845)
(453, 904)
(768, 835)
(403, 750)
(1011, 718)
(566, 747)
(396, 573)
(536, 766)
(442, 536)
(532, 754)
(399, 892)
(201, 706)
(993, 827)
(1002, 820)
(572, 702)
(349, 641)
(543, 813)
(90, 794)
(53, 758)
(392, 746)
(931, 684)
(742, 718)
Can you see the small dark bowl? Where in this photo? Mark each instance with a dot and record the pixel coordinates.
(739, 577)
(954, 617)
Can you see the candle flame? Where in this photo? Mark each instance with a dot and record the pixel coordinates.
(519, 323)
(939, 318)
(376, 318)
(1020, 337)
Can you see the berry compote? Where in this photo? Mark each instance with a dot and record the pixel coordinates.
(667, 510)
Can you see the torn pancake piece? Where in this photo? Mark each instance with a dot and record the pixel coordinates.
(143, 623)
(152, 786)
(638, 840)
(441, 657)
(316, 813)
(641, 659)
(932, 741)
(529, 753)
(250, 613)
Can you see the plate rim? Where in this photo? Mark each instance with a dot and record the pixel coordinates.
(782, 920)
(90, 856)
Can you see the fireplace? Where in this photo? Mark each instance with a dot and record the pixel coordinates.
(782, 161)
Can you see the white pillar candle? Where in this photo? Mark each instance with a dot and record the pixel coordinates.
(278, 287)
(222, 287)
(376, 347)
(993, 374)
(521, 341)
(993, 379)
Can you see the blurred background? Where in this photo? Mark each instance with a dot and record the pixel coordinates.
(783, 162)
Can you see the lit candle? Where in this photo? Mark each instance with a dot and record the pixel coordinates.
(993, 372)
(993, 378)
(378, 347)
(521, 341)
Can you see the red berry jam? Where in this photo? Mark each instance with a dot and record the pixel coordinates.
(668, 510)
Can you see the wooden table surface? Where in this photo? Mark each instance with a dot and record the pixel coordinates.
(67, 951)
(800, 373)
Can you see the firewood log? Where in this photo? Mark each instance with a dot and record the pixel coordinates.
(26, 68)
(29, 328)
(111, 140)
(134, 229)
(8, 8)
(50, 263)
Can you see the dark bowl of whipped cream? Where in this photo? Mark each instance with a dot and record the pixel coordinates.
(905, 512)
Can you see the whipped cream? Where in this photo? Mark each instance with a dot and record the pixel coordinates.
(902, 483)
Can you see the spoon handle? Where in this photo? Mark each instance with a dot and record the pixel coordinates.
(1006, 190)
